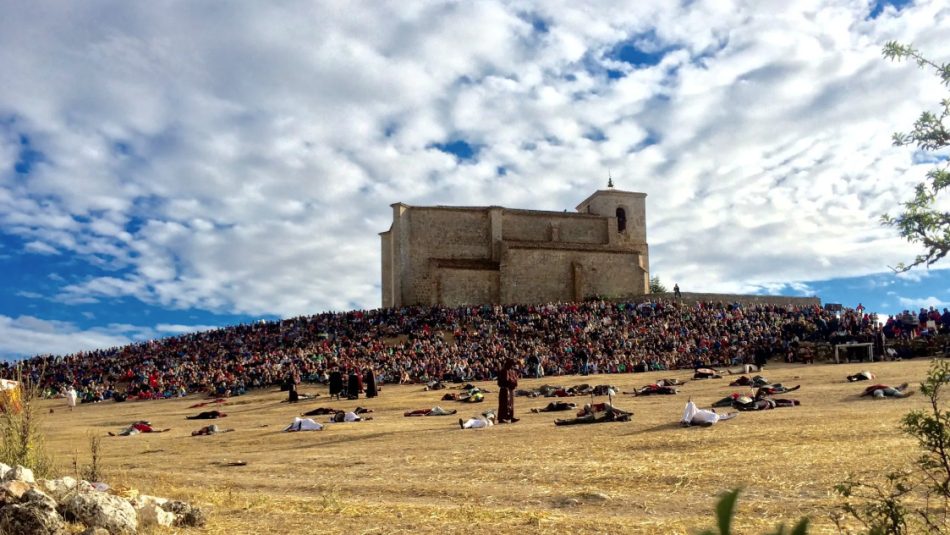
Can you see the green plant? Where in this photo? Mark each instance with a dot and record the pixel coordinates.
(656, 286)
(726, 510)
(21, 441)
(921, 220)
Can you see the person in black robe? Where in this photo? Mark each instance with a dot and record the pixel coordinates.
(291, 383)
(354, 384)
(336, 383)
(369, 382)
(507, 382)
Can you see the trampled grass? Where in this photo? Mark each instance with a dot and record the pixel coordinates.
(425, 475)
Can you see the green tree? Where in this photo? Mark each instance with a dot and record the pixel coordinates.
(657, 287)
(921, 221)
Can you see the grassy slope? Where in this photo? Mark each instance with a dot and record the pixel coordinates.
(402, 475)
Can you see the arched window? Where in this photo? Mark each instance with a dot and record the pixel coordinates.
(621, 220)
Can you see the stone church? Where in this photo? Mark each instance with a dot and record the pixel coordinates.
(448, 255)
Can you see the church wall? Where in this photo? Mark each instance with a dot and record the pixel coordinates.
(458, 287)
(540, 274)
(442, 233)
(537, 226)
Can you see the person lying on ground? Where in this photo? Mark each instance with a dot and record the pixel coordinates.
(304, 424)
(693, 415)
(597, 413)
(884, 391)
(706, 373)
(745, 403)
(212, 429)
(770, 390)
(483, 420)
(745, 368)
(141, 426)
(320, 411)
(207, 415)
(434, 411)
(758, 380)
(556, 406)
(350, 416)
(468, 396)
(861, 376)
(434, 385)
(650, 390)
(670, 382)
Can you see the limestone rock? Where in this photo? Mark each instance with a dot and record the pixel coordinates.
(152, 514)
(31, 517)
(57, 488)
(19, 473)
(98, 509)
(12, 491)
(4, 468)
(186, 515)
(39, 499)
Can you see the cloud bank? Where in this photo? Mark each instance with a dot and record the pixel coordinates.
(242, 157)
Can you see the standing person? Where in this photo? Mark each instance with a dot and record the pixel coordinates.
(676, 290)
(369, 381)
(354, 384)
(336, 383)
(71, 397)
(507, 382)
(291, 384)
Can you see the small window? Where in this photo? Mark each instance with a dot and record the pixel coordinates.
(621, 220)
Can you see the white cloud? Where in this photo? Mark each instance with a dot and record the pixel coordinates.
(27, 335)
(922, 302)
(244, 159)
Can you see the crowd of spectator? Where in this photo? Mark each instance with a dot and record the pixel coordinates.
(421, 344)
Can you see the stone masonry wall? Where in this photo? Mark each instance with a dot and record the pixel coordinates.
(541, 275)
(442, 233)
(458, 287)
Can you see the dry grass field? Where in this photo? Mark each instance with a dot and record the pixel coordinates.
(425, 475)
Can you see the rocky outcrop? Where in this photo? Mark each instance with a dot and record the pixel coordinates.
(44, 506)
(101, 510)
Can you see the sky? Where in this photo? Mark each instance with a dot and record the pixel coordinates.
(176, 166)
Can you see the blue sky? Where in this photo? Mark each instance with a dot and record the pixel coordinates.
(172, 168)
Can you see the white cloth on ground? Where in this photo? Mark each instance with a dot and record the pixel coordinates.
(304, 424)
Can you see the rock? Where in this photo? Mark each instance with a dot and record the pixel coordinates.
(39, 499)
(95, 531)
(19, 473)
(152, 514)
(4, 468)
(186, 515)
(57, 488)
(98, 509)
(32, 518)
(12, 491)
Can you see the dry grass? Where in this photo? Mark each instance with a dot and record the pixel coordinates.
(412, 475)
